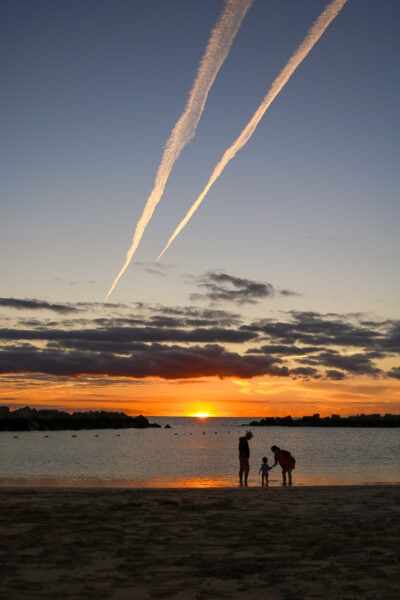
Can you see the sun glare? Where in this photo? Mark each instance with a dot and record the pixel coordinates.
(201, 415)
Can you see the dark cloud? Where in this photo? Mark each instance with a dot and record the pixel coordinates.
(288, 293)
(197, 317)
(221, 287)
(313, 329)
(305, 372)
(395, 373)
(335, 375)
(121, 336)
(28, 304)
(139, 340)
(285, 350)
(357, 364)
(392, 341)
(156, 360)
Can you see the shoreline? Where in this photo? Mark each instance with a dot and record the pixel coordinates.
(130, 488)
(337, 541)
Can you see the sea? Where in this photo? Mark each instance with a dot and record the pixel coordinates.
(196, 453)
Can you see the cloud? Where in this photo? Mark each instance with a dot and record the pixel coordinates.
(335, 375)
(221, 287)
(155, 360)
(357, 364)
(37, 305)
(289, 293)
(120, 337)
(392, 340)
(196, 317)
(395, 373)
(139, 341)
(305, 372)
(285, 350)
(314, 329)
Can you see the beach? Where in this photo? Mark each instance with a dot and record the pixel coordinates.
(277, 543)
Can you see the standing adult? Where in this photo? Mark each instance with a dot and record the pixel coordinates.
(244, 458)
(286, 461)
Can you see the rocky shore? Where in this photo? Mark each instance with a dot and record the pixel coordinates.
(30, 419)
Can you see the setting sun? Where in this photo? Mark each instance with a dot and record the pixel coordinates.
(201, 415)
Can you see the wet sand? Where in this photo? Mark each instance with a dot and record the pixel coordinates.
(331, 543)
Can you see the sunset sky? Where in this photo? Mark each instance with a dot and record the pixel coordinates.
(282, 294)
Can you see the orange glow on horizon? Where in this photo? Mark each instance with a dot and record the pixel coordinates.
(203, 398)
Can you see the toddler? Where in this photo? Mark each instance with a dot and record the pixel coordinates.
(264, 470)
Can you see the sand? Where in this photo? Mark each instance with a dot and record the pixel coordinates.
(303, 543)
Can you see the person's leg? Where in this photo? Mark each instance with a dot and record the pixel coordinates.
(283, 476)
(246, 476)
(240, 477)
(290, 476)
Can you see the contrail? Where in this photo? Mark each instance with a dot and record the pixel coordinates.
(218, 46)
(316, 30)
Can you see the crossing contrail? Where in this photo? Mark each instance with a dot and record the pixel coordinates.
(316, 30)
(218, 46)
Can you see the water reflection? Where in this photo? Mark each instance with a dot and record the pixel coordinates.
(177, 483)
(196, 482)
(195, 457)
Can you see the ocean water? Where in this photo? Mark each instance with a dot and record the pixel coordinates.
(196, 453)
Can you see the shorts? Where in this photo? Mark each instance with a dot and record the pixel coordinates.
(244, 463)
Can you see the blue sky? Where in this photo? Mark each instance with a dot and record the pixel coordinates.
(90, 93)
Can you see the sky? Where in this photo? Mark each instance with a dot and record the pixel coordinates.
(282, 294)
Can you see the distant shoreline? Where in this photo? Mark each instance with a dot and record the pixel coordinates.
(32, 419)
(374, 420)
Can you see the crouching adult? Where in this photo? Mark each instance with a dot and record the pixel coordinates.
(286, 461)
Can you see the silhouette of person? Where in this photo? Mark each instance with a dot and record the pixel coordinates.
(286, 461)
(264, 470)
(244, 456)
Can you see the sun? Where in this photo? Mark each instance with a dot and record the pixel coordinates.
(201, 415)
